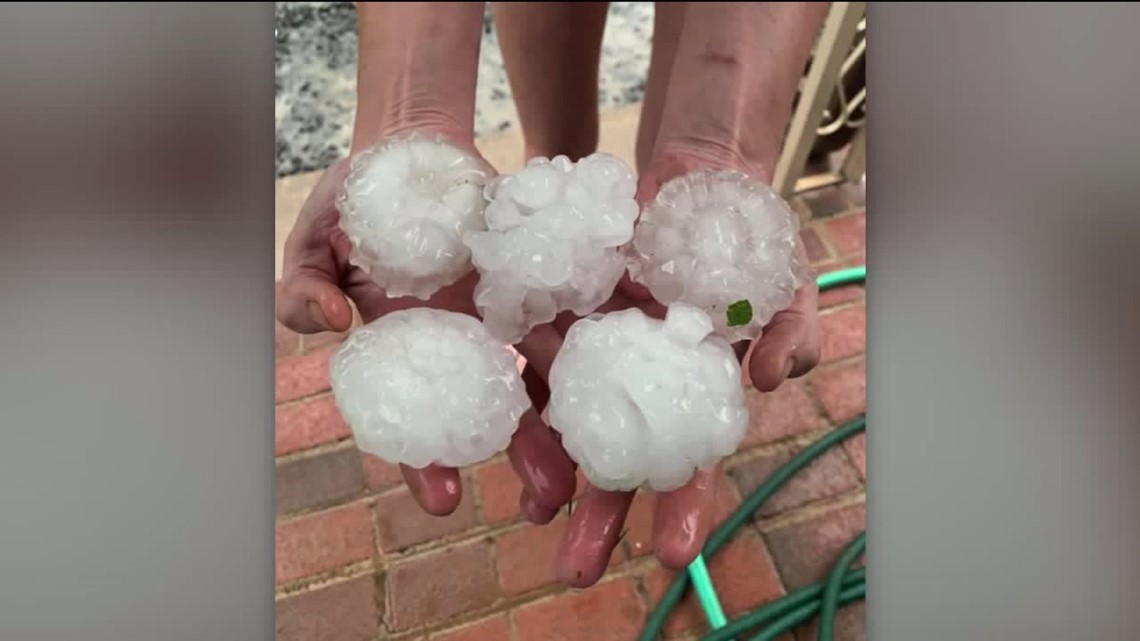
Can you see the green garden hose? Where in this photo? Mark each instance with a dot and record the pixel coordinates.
(843, 585)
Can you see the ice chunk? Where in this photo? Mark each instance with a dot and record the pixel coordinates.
(422, 386)
(405, 206)
(640, 401)
(714, 238)
(554, 232)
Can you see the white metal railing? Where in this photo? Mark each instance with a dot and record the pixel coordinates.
(842, 43)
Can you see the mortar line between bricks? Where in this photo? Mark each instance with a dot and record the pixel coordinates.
(846, 213)
(812, 510)
(818, 225)
(487, 530)
(287, 519)
(476, 495)
(851, 461)
(373, 522)
(843, 307)
(315, 451)
(341, 575)
(380, 584)
(816, 402)
(512, 626)
(631, 569)
(412, 552)
(365, 494)
(314, 581)
(317, 395)
(787, 445)
(838, 363)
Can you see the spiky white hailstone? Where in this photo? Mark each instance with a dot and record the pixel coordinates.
(640, 401)
(715, 238)
(422, 386)
(406, 205)
(552, 244)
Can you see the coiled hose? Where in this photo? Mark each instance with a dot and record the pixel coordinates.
(843, 585)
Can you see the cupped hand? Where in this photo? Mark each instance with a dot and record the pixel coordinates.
(787, 348)
(317, 285)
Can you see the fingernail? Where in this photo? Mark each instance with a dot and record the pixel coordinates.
(318, 314)
(788, 368)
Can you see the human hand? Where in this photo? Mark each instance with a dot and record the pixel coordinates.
(318, 283)
(787, 348)
(417, 71)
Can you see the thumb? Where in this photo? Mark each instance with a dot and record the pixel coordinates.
(310, 302)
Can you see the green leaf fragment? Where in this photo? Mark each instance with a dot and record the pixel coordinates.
(739, 313)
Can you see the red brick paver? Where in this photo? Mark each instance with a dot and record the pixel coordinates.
(323, 541)
(844, 333)
(401, 523)
(440, 584)
(805, 551)
(842, 390)
(308, 423)
(817, 252)
(343, 611)
(829, 475)
(608, 611)
(499, 489)
(319, 481)
(779, 414)
(301, 376)
(848, 233)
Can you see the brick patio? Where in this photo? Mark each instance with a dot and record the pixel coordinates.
(357, 560)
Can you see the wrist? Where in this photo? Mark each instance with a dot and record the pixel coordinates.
(682, 155)
(417, 70)
(403, 119)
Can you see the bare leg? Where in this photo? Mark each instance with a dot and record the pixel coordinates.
(668, 18)
(551, 52)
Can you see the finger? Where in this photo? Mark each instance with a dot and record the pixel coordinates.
(790, 344)
(546, 472)
(310, 302)
(591, 536)
(535, 513)
(683, 520)
(539, 348)
(536, 387)
(310, 299)
(436, 489)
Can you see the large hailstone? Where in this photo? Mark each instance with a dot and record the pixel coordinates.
(405, 206)
(640, 401)
(422, 386)
(552, 243)
(715, 238)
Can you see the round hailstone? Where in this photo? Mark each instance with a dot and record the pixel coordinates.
(422, 386)
(405, 206)
(552, 243)
(723, 242)
(640, 401)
